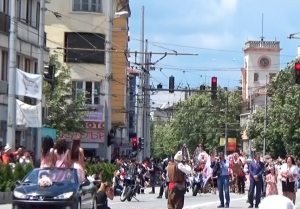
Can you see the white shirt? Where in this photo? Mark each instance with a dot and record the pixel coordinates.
(276, 201)
(291, 170)
(24, 161)
(185, 168)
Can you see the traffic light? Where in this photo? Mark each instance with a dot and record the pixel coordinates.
(202, 87)
(141, 143)
(171, 84)
(214, 86)
(134, 144)
(297, 73)
(110, 139)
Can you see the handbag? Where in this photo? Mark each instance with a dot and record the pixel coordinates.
(181, 189)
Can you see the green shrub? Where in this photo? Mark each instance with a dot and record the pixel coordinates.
(108, 170)
(8, 178)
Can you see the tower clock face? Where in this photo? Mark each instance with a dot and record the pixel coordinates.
(264, 62)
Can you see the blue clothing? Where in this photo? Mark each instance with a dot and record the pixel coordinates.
(256, 169)
(224, 167)
(223, 186)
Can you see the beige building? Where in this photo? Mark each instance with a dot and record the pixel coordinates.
(28, 14)
(262, 63)
(78, 28)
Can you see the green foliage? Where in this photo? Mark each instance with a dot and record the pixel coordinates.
(198, 119)
(8, 178)
(283, 121)
(65, 113)
(108, 170)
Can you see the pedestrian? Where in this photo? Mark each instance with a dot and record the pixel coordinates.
(271, 180)
(256, 170)
(176, 174)
(241, 178)
(152, 172)
(288, 173)
(220, 169)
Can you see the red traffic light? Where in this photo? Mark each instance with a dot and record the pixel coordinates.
(297, 66)
(214, 79)
(134, 142)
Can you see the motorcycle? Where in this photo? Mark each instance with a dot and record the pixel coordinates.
(197, 184)
(130, 188)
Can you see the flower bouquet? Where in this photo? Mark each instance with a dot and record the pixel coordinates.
(45, 181)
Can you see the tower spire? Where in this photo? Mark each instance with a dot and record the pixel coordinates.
(262, 28)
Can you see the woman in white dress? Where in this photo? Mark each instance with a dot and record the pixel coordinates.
(77, 159)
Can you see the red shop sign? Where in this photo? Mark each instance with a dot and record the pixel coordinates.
(88, 136)
(98, 125)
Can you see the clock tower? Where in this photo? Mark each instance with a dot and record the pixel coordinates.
(261, 62)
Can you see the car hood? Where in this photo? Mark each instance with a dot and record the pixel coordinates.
(52, 191)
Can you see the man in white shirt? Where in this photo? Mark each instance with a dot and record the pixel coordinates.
(176, 189)
(276, 201)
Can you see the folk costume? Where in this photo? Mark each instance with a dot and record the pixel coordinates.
(176, 174)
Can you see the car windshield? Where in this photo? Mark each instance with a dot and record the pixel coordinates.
(56, 175)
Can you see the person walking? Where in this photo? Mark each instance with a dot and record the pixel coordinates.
(176, 174)
(256, 170)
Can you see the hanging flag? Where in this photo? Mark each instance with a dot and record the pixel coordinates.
(28, 115)
(29, 84)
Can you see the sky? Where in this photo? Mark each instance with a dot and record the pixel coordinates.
(216, 30)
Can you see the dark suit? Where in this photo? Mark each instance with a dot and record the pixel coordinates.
(256, 170)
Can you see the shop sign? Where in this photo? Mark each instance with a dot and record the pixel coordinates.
(89, 136)
(95, 115)
(95, 125)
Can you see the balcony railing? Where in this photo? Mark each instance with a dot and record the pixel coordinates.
(4, 23)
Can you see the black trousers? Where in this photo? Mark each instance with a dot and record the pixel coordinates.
(241, 184)
(153, 182)
(257, 185)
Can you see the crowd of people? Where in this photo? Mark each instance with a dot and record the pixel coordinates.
(175, 174)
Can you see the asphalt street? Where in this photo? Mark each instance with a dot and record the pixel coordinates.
(149, 201)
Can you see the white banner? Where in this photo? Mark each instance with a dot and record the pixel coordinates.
(28, 84)
(28, 115)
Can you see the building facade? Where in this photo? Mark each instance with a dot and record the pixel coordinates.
(262, 63)
(28, 17)
(80, 28)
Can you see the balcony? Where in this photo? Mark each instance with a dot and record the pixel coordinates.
(4, 23)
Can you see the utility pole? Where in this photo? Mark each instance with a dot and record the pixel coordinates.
(108, 68)
(146, 103)
(140, 97)
(11, 106)
(40, 70)
(226, 125)
(266, 114)
(250, 120)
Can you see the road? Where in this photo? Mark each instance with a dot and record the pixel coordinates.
(149, 201)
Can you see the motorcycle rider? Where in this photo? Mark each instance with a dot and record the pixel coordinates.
(176, 173)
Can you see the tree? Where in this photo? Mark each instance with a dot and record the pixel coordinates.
(199, 119)
(65, 113)
(283, 121)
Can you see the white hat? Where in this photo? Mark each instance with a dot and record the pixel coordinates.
(7, 148)
(178, 156)
(276, 201)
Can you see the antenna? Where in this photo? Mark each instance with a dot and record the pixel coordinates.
(262, 28)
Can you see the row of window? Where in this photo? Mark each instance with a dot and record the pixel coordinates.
(256, 77)
(28, 11)
(87, 6)
(79, 48)
(92, 90)
(29, 66)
